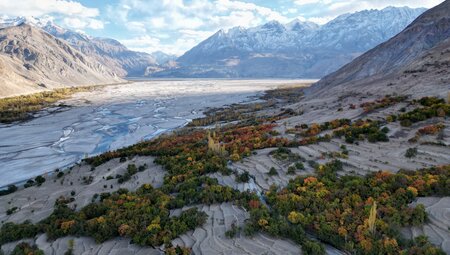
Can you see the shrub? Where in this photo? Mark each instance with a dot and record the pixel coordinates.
(39, 180)
(233, 231)
(26, 249)
(299, 166)
(10, 232)
(291, 170)
(272, 171)
(244, 177)
(11, 189)
(313, 248)
(411, 153)
(11, 210)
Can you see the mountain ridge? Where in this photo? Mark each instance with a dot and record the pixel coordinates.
(400, 58)
(32, 60)
(294, 50)
(107, 51)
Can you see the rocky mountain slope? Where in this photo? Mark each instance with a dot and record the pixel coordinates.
(109, 52)
(414, 61)
(32, 60)
(296, 49)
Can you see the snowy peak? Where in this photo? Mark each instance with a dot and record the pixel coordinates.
(301, 26)
(273, 27)
(162, 57)
(428, 35)
(355, 32)
(296, 49)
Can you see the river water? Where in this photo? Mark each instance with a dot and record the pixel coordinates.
(111, 118)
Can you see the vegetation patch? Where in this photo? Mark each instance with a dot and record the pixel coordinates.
(22, 107)
(361, 215)
(26, 249)
(384, 102)
(431, 107)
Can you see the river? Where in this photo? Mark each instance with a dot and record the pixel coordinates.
(111, 118)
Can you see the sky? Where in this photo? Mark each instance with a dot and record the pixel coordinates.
(175, 26)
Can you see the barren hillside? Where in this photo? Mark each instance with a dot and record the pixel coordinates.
(32, 60)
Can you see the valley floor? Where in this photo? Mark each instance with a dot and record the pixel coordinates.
(95, 124)
(111, 118)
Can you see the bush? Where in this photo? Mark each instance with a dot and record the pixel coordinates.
(233, 231)
(313, 248)
(411, 153)
(244, 177)
(142, 168)
(10, 232)
(11, 189)
(26, 249)
(29, 183)
(39, 180)
(11, 210)
(272, 171)
(299, 166)
(291, 170)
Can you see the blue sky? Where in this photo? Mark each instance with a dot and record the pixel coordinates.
(174, 26)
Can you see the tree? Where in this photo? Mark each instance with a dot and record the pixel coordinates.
(39, 180)
(272, 171)
(313, 248)
(373, 217)
(411, 152)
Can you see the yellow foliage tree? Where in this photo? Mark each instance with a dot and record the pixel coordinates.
(373, 217)
(123, 229)
(67, 225)
(214, 146)
(295, 217)
(263, 222)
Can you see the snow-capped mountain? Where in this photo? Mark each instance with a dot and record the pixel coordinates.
(415, 61)
(162, 58)
(296, 49)
(109, 52)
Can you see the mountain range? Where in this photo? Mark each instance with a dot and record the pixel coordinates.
(32, 60)
(36, 53)
(295, 50)
(107, 51)
(416, 61)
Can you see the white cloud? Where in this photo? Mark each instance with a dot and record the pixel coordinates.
(305, 2)
(338, 7)
(42, 7)
(137, 26)
(320, 20)
(73, 14)
(174, 22)
(78, 24)
(150, 44)
(186, 22)
(322, 11)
